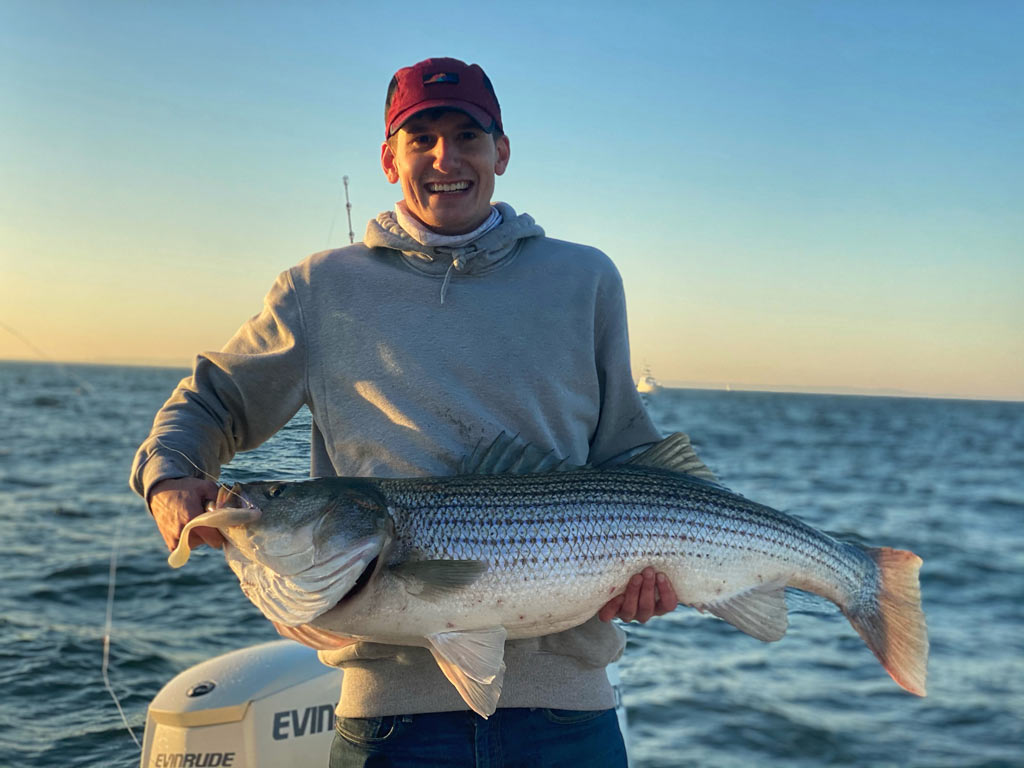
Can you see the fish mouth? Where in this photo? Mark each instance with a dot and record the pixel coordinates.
(295, 572)
(234, 497)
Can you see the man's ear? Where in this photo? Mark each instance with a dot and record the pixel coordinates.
(502, 145)
(387, 162)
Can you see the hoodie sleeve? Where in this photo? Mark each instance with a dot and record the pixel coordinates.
(623, 423)
(234, 400)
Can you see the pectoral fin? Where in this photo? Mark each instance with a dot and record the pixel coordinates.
(759, 611)
(219, 517)
(431, 579)
(474, 663)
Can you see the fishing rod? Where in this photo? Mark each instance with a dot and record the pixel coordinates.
(348, 211)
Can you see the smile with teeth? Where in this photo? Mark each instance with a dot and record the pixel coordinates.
(455, 186)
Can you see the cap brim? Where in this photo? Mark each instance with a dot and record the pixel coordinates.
(481, 117)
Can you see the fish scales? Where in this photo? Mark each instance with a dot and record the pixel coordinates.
(589, 517)
(458, 564)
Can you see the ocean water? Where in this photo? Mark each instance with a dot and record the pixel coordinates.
(942, 478)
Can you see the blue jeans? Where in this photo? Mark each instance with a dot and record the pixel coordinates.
(510, 738)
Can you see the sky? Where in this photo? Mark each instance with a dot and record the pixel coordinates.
(809, 196)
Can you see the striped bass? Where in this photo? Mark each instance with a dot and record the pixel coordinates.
(521, 548)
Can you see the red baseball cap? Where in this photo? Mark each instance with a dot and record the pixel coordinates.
(441, 83)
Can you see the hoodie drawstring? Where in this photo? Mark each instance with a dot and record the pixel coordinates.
(457, 263)
(447, 279)
(488, 246)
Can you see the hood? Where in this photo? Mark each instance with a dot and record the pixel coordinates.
(473, 257)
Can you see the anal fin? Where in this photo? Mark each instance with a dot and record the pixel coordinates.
(760, 611)
(474, 663)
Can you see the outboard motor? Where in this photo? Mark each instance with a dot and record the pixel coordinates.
(266, 706)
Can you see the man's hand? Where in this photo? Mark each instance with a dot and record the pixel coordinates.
(647, 594)
(174, 502)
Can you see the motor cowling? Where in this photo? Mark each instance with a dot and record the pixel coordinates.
(267, 705)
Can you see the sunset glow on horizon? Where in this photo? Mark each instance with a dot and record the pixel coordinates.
(807, 196)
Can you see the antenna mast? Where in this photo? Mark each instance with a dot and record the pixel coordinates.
(348, 210)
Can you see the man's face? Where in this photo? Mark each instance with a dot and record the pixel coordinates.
(446, 164)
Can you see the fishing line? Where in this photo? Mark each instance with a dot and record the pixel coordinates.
(82, 385)
(112, 587)
(112, 580)
(105, 667)
(109, 627)
(183, 455)
(232, 491)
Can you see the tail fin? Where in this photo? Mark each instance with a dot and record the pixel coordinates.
(891, 621)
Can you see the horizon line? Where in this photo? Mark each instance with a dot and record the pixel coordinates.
(704, 386)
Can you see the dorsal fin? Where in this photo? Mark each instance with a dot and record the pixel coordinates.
(511, 455)
(675, 453)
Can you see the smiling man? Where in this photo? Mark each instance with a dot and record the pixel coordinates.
(454, 320)
(444, 144)
(446, 164)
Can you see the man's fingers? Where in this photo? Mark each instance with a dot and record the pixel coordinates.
(646, 599)
(170, 538)
(627, 611)
(611, 609)
(647, 594)
(209, 536)
(175, 501)
(667, 598)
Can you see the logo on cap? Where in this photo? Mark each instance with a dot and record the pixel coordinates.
(441, 77)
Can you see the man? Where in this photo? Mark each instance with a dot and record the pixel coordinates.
(453, 321)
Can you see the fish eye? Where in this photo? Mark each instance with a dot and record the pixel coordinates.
(275, 490)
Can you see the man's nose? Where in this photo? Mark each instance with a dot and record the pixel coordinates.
(446, 155)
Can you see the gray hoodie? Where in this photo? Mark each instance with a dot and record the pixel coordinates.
(407, 357)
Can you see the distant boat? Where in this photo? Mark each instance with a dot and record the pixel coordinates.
(647, 385)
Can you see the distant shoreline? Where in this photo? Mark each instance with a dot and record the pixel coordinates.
(835, 391)
(737, 389)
